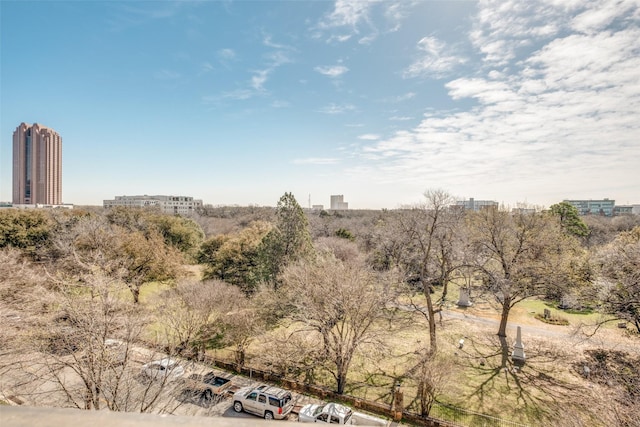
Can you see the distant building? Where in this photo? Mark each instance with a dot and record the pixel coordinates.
(525, 211)
(603, 207)
(37, 165)
(622, 210)
(635, 209)
(476, 205)
(317, 207)
(338, 203)
(177, 205)
(39, 206)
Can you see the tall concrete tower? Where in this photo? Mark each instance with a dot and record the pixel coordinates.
(37, 165)
(338, 203)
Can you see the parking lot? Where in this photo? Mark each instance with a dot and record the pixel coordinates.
(222, 406)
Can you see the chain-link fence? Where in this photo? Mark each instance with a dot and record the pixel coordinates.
(466, 418)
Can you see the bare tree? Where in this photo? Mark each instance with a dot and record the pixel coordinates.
(196, 316)
(242, 325)
(91, 243)
(430, 231)
(347, 305)
(291, 354)
(193, 313)
(619, 263)
(431, 376)
(519, 255)
(75, 344)
(90, 351)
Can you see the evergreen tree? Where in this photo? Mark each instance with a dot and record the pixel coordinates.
(570, 220)
(288, 241)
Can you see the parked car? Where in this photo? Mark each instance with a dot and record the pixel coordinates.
(166, 368)
(264, 401)
(207, 386)
(335, 413)
(112, 354)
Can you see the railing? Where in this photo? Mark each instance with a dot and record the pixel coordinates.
(441, 415)
(464, 417)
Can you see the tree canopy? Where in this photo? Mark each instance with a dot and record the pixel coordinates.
(570, 220)
(288, 241)
(619, 264)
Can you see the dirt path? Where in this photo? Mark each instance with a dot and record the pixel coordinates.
(568, 335)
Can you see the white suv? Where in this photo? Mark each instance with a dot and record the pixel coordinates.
(264, 401)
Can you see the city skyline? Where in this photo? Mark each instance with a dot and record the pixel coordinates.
(236, 103)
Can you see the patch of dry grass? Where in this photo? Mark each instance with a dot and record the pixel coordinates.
(482, 376)
(546, 390)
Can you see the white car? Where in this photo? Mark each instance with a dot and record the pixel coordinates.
(335, 413)
(111, 355)
(164, 368)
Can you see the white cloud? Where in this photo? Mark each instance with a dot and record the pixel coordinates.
(405, 97)
(396, 13)
(560, 115)
(596, 19)
(339, 38)
(226, 54)
(368, 39)
(235, 95)
(277, 58)
(205, 68)
(347, 13)
(435, 61)
(259, 78)
(268, 42)
(337, 109)
(371, 17)
(369, 137)
(485, 91)
(332, 71)
(504, 27)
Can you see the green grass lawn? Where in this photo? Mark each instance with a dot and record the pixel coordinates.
(538, 306)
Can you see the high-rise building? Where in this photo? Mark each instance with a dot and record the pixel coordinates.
(338, 203)
(37, 165)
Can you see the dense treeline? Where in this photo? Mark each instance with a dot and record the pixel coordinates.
(330, 277)
(515, 254)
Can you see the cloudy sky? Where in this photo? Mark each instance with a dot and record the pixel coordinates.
(237, 102)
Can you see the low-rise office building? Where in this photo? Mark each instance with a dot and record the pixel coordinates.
(476, 205)
(622, 210)
(604, 207)
(176, 205)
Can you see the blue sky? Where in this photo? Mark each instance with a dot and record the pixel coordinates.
(237, 102)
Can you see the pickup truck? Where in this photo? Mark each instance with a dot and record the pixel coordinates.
(334, 413)
(207, 386)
